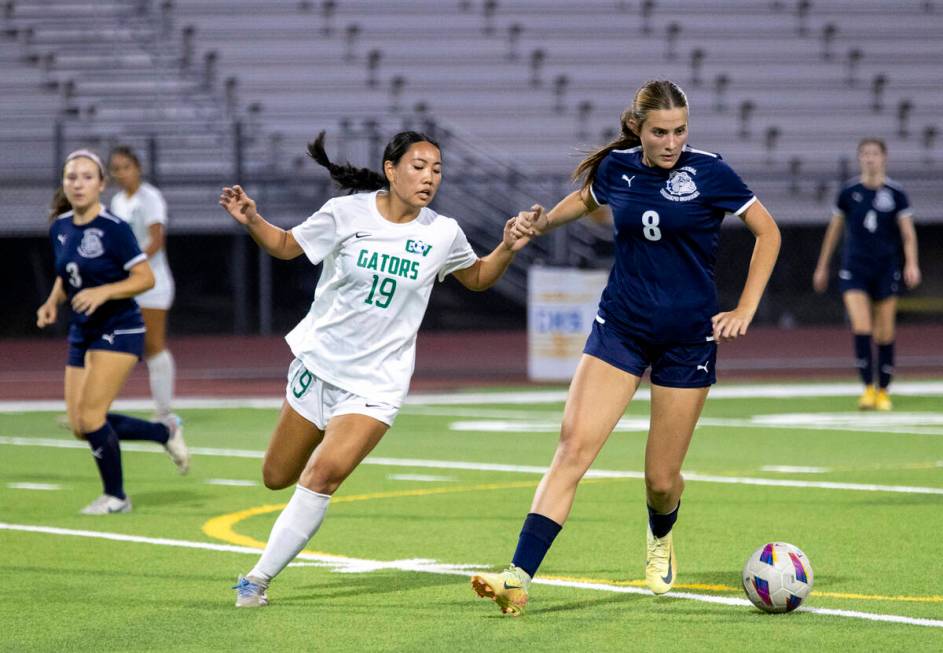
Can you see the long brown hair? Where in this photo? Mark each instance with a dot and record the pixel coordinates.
(60, 203)
(651, 96)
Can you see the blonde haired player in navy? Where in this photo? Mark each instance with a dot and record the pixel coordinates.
(99, 269)
(658, 311)
(382, 249)
(142, 205)
(874, 214)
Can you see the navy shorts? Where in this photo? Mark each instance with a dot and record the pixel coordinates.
(879, 281)
(129, 340)
(673, 365)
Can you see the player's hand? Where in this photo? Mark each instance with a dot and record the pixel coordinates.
(538, 217)
(820, 280)
(88, 300)
(912, 276)
(46, 314)
(730, 325)
(238, 204)
(518, 231)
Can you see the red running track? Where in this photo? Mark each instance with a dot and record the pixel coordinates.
(245, 366)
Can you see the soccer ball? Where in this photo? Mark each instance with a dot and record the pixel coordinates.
(777, 577)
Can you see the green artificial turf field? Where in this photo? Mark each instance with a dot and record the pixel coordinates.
(445, 493)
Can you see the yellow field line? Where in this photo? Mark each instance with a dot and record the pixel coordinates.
(223, 528)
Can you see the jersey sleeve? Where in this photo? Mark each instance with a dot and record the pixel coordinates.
(461, 255)
(903, 204)
(318, 234)
(124, 246)
(728, 191)
(599, 188)
(155, 208)
(841, 203)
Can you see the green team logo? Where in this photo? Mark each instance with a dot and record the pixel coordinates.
(417, 247)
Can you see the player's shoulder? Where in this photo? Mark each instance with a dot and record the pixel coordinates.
(894, 185)
(150, 191)
(702, 156)
(111, 218)
(61, 222)
(852, 184)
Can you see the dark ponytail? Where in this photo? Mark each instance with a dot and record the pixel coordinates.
(365, 179)
(652, 96)
(346, 175)
(59, 205)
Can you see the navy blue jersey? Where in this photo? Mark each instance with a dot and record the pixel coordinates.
(94, 254)
(667, 225)
(872, 235)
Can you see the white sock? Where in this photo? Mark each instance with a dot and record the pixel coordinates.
(296, 525)
(161, 370)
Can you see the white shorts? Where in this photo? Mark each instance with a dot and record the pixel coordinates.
(161, 296)
(318, 401)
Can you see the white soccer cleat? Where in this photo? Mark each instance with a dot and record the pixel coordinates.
(251, 592)
(107, 505)
(176, 446)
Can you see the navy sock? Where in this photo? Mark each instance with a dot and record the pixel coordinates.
(885, 364)
(864, 359)
(107, 454)
(660, 524)
(536, 537)
(132, 428)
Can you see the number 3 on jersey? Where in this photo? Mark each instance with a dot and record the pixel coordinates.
(650, 225)
(385, 291)
(75, 279)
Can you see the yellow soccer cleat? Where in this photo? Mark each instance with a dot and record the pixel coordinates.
(661, 565)
(868, 398)
(508, 589)
(882, 401)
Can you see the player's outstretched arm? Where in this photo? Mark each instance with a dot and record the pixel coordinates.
(730, 325)
(829, 243)
(486, 271)
(274, 240)
(570, 208)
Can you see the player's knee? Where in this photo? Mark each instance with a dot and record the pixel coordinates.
(275, 478)
(88, 420)
(322, 481)
(661, 484)
(574, 453)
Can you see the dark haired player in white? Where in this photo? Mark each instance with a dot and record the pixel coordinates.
(658, 311)
(99, 269)
(874, 214)
(382, 249)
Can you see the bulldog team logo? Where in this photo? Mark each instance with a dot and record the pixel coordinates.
(91, 245)
(883, 201)
(680, 186)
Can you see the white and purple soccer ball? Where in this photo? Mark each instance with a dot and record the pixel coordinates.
(777, 577)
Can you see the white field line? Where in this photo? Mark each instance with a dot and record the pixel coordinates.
(495, 467)
(345, 564)
(34, 486)
(526, 397)
(905, 424)
(233, 482)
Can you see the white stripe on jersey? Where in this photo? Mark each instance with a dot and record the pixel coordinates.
(137, 259)
(691, 149)
(745, 206)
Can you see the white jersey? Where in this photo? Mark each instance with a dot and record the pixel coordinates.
(141, 210)
(360, 333)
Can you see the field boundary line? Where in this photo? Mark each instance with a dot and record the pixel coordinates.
(732, 391)
(354, 565)
(138, 447)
